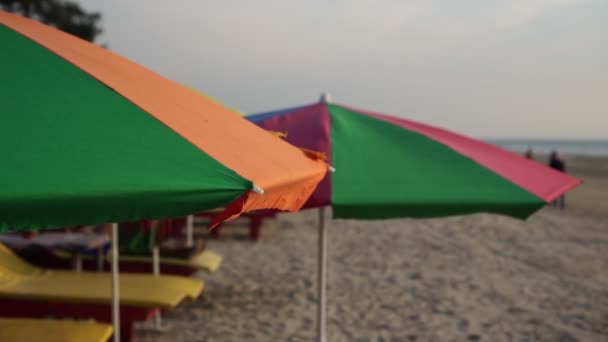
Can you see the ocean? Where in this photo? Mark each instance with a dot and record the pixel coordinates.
(564, 147)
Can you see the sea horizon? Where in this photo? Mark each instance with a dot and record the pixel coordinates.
(565, 146)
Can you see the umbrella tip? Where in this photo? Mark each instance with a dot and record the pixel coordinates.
(325, 98)
(258, 190)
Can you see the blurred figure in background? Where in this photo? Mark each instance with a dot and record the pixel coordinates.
(556, 163)
(529, 154)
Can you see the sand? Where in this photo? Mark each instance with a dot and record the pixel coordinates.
(478, 277)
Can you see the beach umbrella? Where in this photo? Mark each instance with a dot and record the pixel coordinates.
(89, 137)
(190, 218)
(390, 167)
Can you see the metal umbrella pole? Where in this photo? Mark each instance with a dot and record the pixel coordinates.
(321, 277)
(190, 231)
(158, 319)
(115, 284)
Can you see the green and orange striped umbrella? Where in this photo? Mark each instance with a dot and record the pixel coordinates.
(90, 137)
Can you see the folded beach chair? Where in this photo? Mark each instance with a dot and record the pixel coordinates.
(20, 329)
(136, 256)
(138, 240)
(206, 260)
(137, 283)
(29, 291)
(202, 261)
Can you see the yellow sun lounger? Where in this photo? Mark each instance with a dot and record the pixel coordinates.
(18, 329)
(20, 280)
(206, 260)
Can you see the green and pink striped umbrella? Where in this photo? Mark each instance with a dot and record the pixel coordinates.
(394, 167)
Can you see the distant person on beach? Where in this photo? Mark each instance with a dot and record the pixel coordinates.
(556, 163)
(529, 154)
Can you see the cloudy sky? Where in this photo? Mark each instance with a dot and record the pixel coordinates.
(519, 68)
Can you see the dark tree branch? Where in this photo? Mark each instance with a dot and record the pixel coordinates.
(64, 15)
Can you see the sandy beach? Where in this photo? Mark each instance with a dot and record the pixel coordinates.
(479, 277)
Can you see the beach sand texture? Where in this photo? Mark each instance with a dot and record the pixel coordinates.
(478, 277)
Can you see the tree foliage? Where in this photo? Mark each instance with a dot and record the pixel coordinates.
(63, 15)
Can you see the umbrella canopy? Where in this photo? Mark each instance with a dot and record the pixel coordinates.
(90, 137)
(394, 167)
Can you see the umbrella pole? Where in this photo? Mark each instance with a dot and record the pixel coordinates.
(321, 277)
(156, 261)
(115, 284)
(158, 319)
(189, 231)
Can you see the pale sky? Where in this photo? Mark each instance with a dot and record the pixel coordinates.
(520, 68)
